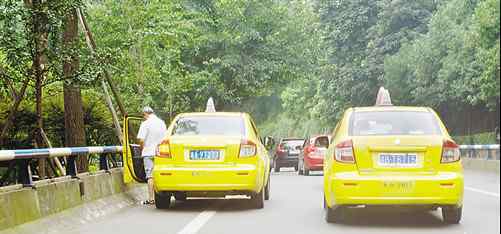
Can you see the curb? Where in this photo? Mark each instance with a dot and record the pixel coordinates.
(65, 221)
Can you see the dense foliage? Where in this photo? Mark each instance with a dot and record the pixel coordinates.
(443, 54)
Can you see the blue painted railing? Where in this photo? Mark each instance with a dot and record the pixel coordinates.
(20, 159)
(485, 152)
(7, 155)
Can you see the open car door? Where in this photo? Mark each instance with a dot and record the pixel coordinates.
(133, 162)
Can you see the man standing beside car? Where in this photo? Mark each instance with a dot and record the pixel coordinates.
(151, 133)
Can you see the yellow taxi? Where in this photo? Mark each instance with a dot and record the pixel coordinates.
(212, 155)
(392, 156)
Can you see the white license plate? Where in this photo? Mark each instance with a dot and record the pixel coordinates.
(394, 160)
(208, 155)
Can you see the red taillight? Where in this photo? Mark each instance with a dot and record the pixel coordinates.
(247, 149)
(344, 152)
(450, 152)
(280, 150)
(310, 149)
(163, 150)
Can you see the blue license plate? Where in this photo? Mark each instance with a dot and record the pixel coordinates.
(398, 160)
(210, 155)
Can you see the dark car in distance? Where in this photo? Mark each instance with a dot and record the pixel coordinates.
(287, 153)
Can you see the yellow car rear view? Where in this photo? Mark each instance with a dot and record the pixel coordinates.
(392, 156)
(211, 155)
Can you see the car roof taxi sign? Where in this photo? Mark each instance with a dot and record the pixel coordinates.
(383, 97)
(210, 106)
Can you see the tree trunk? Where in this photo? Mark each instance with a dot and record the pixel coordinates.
(13, 110)
(74, 133)
(40, 32)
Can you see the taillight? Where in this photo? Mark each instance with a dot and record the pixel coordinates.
(247, 149)
(280, 148)
(344, 152)
(163, 150)
(450, 152)
(310, 149)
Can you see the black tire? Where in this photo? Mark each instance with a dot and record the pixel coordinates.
(257, 200)
(296, 168)
(334, 215)
(267, 190)
(452, 215)
(180, 196)
(162, 200)
(301, 167)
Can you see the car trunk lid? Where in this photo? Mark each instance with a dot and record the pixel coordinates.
(205, 150)
(397, 154)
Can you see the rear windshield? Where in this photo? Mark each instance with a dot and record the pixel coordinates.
(291, 144)
(209, 125)
(322, 142)
(394, 123)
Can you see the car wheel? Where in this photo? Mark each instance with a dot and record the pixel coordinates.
(267, 190)
(301, 168)
(452, 215)
(334, 215)
(162, 200)
(276, 167)
(180, 196)
(296, 168)
(257, 200)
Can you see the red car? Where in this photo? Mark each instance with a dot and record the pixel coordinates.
(312, 156)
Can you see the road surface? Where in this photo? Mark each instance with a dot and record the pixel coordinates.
(296, 207)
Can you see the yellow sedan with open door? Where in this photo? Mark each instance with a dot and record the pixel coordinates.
(212, 155)
(392, 156)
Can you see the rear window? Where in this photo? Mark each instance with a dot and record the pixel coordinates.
(209, 125)
(393, 123)
(291, 144)
(322, 142)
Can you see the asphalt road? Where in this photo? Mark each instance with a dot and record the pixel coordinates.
(296, 207)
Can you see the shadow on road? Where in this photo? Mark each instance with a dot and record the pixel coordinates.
(381, 217)
(220, 205)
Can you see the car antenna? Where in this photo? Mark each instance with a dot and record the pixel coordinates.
(383, 97)
(210, 106)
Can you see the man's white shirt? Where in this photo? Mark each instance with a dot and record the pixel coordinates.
(152, 132)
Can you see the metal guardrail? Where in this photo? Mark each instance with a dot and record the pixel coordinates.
(477, 147)
(6, 155)
(22, 159)
(486, 152)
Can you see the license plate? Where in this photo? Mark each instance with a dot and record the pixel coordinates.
(398, 187)
(398, 160)
(205, 155)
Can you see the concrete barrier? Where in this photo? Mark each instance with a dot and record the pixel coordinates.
(481, 157)
(481, 164)
(20, 205)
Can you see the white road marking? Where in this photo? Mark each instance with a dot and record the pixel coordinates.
(482, 191)
(197, 223)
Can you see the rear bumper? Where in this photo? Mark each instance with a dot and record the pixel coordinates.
(444, 188)
(287, 161)
(232, 179)
(314, 164)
